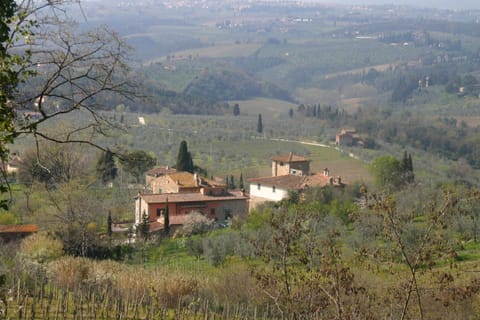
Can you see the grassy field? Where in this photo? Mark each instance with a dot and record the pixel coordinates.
(269, 108)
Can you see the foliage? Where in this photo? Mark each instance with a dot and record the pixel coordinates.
(41, 248)
(259, 124)
(106, 168)
(137, 163)
(166, 218)
(184, 158)
(55, 164)
(195, 223)
(236, 109)
(144, 227)
(49, 69)
(386, 172)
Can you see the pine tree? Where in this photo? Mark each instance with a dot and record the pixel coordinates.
(109, 224)
(259, 124)
(184, 158)
(236, 110)
(106, 167)
(143, 228)
(231, 183)
(166, 220)
(411, 177)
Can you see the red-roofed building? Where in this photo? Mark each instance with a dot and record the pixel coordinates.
(289, 173)
(216, 207)
(348, 137)
(154, 173)
(15, 232)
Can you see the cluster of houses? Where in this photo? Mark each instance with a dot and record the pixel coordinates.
(184, 192)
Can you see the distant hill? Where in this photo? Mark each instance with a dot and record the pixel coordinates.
(443, 4)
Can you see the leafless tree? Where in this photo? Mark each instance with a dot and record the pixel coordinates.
(65, 71)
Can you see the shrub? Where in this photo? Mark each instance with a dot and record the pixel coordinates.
(195, 223)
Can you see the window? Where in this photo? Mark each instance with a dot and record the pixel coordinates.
(160, 212)
(258, 186)
(273, 189)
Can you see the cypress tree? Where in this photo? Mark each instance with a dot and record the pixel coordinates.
(259, 124)
(240, 181)
(231, 184)
(411, 176)
(109, 226)
(184, 158)
(236, 110)
(166, 221)
(144, 226)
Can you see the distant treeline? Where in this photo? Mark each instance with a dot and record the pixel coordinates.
(444, 136)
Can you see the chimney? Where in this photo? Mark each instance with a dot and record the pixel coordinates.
(339, 180)
(290, 157)
(326, 173)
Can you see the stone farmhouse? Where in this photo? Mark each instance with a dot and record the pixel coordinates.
(289, 173)
(348, 137)
(184, 193)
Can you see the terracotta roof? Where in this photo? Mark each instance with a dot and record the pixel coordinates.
(160, 171)
(288, 181)
(22, 228)
(294, 182)
(174, 220)
(189, 197)
(187, 180)
(184, 179)
(289, 158)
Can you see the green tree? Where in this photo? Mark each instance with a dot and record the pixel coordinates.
(290, 113)
(8, 83)
(109, 225)
(106, 168)
(231, 182)
(144, 227)
(166, 221)
(240, 182)
(387, 172)
(406, 167)
(184, 158)
(236, 110)
(137, 163)
(259, 124)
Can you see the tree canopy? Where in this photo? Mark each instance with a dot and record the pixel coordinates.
(137, 163)
(184, 158)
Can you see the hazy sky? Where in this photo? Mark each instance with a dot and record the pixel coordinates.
(449, 4)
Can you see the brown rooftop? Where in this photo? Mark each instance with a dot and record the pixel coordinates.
(22, 228)
(160, 171)
(190, 197)
(294, 182)
(289, 158)
(288, 181)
